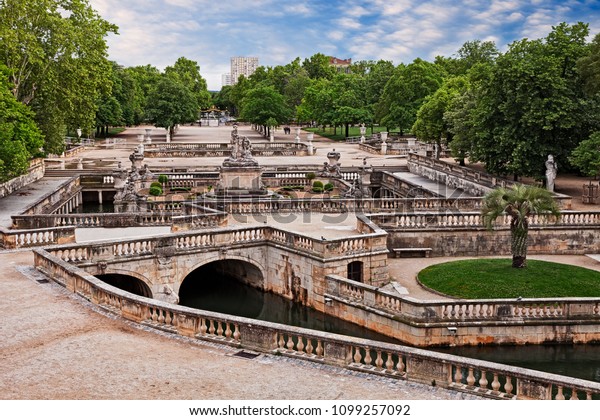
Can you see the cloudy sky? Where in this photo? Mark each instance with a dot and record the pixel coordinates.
(210, 32)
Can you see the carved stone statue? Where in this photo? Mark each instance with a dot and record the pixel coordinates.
(551, 169)
(241, 151)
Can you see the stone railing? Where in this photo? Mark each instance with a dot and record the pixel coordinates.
(13, 239)
(487, 379)
(343, 205)
(34, 172)
(426, 220)
(89, 220)
(322, 249)
(405, 188)
(53, 200)
(223, 149)
(505, 310)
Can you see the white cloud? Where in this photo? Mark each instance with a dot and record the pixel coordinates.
(348, 23)
(336, 35)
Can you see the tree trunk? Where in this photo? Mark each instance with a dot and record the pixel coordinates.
(518, 246)
(347, 129)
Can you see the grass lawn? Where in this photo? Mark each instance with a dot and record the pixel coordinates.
(496, 279)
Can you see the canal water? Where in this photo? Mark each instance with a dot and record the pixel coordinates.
(231, 297)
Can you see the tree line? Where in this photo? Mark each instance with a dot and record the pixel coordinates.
(508, 110)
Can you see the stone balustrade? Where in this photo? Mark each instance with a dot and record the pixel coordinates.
(470, 310)
(222, 149)
(482, 378)
(55, 199)
(322, 249)
(426, 220)
(18, 238)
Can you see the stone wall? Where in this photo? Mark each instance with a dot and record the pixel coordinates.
(482, 242)
(36, 171)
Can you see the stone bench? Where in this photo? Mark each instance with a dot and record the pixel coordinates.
(411, 252)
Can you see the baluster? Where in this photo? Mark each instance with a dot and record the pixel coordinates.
(574, 395)
(400, 366)
(319, 349)
(309, 347)
(357, 355)
(368, 358)
(168, 318)
(236, 332)
(290, 343)
(211, 327)
(379, 360)
(161, 317)
(389, 362)
(458, 375)
(470, 378)
(496, 383)
(228, 331)
(559, 393)
(483, 382)
(219, 329)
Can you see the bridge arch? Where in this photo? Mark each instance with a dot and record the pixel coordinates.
(243, 269)
(219, 280)
(129, 281)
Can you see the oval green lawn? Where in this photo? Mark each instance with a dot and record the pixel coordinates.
(493, 278)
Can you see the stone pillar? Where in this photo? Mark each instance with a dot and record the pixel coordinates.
(148, 138)
(297, 139)
(100, 197)
(168, 134)
(363, 130)
(80, 163)
(272, 134)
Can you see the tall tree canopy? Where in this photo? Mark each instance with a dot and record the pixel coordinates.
(20, 138)
(406, 91)
(533, 104)
(56, 52)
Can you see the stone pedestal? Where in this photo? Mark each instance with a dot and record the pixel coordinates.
(384, 145)
(238, 181)
(310, 137)
(297, 139)
(148, 138)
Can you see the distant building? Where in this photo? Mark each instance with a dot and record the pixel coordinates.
(242, 65)
(226, 79)
(342, 66)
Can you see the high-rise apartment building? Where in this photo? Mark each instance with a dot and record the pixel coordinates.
(242, 65)
(226, 79)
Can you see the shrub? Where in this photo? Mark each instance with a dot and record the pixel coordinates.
(328, 187)
(317, 184)
(163, 179)
(310, 176)
(317, 189)
(155, 190)
(156, 184)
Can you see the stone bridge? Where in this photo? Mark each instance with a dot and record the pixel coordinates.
(265, 257)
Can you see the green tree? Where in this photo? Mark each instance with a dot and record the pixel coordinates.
(171, 103)
(533, 104)
(519, 202)
(317, 67)
(431, 126)
(586, 156)
(187, 72)
(265, 106)
(349, 100)
(589, 67)
(144, 81)
(318, 103)
(406, 91)
(20, 138)
(56, 50)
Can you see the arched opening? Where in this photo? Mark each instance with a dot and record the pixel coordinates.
(227, 286)
(355, 271)
(128, 283)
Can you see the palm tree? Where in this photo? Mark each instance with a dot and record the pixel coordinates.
(519, 202)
